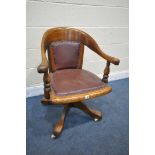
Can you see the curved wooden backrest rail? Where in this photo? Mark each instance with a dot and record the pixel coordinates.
(70, 34)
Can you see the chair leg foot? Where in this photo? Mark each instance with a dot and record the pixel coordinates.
(53, 136)
(96, 119)
(96, 115)
(60, 124)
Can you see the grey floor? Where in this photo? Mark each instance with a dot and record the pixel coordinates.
(81, 135)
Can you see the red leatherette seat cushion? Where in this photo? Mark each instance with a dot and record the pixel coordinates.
(74, 81)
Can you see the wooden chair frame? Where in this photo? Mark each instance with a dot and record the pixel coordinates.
(71, 34)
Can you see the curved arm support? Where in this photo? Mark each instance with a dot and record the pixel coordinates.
(110, 59)
(43, 67)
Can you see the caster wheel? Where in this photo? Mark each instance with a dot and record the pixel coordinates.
(53, 136)
(96, 119)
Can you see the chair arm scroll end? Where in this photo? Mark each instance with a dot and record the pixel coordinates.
(42, 68)
(116, 61)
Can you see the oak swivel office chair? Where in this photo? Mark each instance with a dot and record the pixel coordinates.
(65, 82)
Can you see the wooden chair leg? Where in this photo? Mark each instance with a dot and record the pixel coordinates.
(60, 124)
(96, 115)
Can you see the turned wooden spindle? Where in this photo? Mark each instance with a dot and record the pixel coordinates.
(47, 85)
(106, 72)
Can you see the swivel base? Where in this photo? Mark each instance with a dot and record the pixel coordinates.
(96, 115)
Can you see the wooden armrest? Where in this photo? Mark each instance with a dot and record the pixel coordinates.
(114, 61)
(43, 67)
(109, 58)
